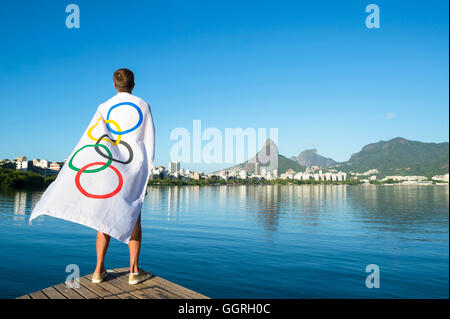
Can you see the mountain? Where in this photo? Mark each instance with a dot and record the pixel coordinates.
(269, 158)
(311, 158)
(400, 156)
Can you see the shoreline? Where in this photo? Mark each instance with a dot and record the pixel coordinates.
(293, 184)
(11, 180)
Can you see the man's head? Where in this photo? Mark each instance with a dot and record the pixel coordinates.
(123, 80)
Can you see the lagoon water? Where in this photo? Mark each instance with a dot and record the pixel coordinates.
(252, 241)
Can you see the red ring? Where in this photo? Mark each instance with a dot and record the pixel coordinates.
(78, 184)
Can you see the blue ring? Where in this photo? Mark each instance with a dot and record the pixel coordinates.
(131, 129)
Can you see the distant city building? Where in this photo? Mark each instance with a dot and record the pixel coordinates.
(275, 173)
(310, 175)
(22, 165)
(40, 163)
(252, 167)
(400, 178)
(290, 172)
(6, 163)
(442, 178)
(20, 159)
(257, 168)
(243, 174)
(367, 173)
(174, 167)
(55, 166)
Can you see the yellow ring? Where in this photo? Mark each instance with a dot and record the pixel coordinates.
(119, 137)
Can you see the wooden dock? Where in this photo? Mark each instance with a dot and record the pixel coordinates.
(116, 286)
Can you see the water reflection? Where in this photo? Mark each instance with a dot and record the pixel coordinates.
(20, 201)
(301, 205)
(396, 206)
(317, 234)
(267, 203)
(308, 205)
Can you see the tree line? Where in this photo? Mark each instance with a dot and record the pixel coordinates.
(12, 179)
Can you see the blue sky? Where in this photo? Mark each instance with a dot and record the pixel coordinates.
(310, 68)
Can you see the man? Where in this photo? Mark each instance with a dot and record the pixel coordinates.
(104, 182)
(124, 84)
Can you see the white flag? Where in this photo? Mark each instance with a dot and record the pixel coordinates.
(103, 183)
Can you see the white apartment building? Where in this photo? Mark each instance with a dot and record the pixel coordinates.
(22, 165)
(304, 176)
(55, 166)
(243, 174)
(256, 168)
(40, 163)
(442, 178)
(174, 167)
(405, 178)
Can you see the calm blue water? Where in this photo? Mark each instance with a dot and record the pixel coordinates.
(252, 241)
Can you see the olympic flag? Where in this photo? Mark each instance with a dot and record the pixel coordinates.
(103, 183)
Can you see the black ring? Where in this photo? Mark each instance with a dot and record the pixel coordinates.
(97, 149)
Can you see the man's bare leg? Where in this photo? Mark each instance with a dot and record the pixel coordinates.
(102, 247)
(135, 246)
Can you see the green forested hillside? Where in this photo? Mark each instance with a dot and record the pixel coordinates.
(400, 156)
(285, 164)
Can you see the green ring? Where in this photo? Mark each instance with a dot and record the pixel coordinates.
(76, 169)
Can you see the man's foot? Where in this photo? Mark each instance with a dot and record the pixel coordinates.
(138, 277)
(98, 277)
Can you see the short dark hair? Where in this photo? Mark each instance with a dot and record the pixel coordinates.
(123, 80)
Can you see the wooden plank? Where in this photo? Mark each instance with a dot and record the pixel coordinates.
(172, 288)
(124, 278)
(172, 294)
(148, 293)
(126, 295)
(116, 286)
(120, 280)
(168, 286)
(121, 291)
(86, 293)
(113, 279)
(111, 297)
(146, 289)
(38, 295)
(114, 290)
(108, 286)
(69, 293)
(177, 288)
(119, 284)
(98, 290)
(135, 290)
(52, 293)
(164, 294)
(123, 269)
